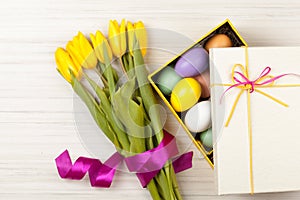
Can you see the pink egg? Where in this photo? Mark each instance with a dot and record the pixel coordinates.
(204, 80)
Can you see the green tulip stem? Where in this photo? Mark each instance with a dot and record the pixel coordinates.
(131, 70)
(94, 109)
(175, 184)
(104, 81)
(123, 67)
(124, 62)
(147, 94)
(106, 106)
(109, 74)
(153, 190)
(164, 177)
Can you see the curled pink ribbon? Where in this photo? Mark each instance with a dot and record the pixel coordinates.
(146, 165)
(246, 81)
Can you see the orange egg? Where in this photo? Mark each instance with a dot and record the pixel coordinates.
(218, 41)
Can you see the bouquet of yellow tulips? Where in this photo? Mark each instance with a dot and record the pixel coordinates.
(125, 111)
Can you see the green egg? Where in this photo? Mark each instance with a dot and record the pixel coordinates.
(206, 138)
(167, 79)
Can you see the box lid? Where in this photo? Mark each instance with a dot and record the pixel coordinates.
(270, 134)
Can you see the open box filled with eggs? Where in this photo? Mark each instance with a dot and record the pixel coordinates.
(184, 85)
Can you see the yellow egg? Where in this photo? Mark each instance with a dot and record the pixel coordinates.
(185, 94)
(218, 41)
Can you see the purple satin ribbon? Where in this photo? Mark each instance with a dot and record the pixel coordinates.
(146, 165)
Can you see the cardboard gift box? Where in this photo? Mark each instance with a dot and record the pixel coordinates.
(226, 28)
(255, 95)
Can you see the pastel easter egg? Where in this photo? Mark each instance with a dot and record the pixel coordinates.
(206, 138)
(167, 80)
(204, 81)
(198, 118)
(218, 41)
(192, 63)
(185, 94)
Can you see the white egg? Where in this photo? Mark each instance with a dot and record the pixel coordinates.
(198, 118)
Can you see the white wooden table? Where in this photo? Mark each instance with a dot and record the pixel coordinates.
(36, 104)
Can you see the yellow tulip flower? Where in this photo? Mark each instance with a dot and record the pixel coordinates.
(82, 52)
(117, 37)
(141, 36)
(137, 32)
(131, 37)
(65, 65)
(101, 47)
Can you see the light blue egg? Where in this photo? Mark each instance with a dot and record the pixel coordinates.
(206, 138)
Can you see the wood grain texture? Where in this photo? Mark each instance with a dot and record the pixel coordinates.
(37, 120)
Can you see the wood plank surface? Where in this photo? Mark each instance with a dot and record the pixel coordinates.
(39, 117)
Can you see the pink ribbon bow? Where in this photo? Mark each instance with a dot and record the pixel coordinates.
(146, 165)
(244, 81)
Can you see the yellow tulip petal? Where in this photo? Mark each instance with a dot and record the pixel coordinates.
(115, 38)
(93, 39)
(130, 35)
(141, 35)
(76, 57)
(114, 45)
(115, 22)
(76, 43)
(65, 64)
(102, 41)
(113, 29)
(100, 37)
(123, 37)
(139, 24)
(87, 52)
(59, 63)
(84, 44)
(96, 47)
(90, 61)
